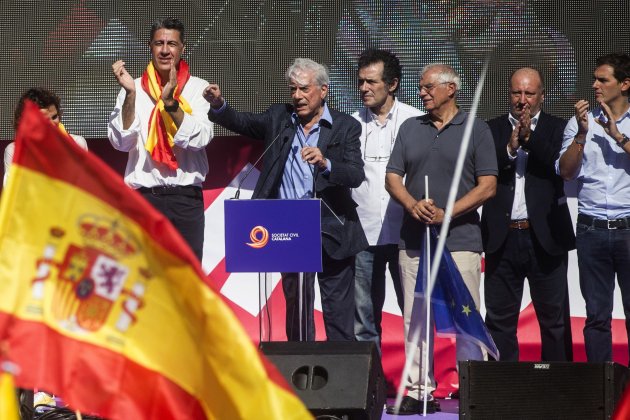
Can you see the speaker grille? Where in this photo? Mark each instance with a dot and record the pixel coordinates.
(526, 390)
(335, 378)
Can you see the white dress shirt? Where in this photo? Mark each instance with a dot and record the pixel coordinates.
(381, 217)
(191, 139)
(10, 150)
(519, 206)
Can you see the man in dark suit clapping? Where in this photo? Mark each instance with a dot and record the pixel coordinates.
(313, 151)
(527, 229)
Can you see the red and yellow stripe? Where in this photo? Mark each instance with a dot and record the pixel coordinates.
(162, 128)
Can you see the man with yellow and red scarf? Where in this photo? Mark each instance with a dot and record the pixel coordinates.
(161, 120)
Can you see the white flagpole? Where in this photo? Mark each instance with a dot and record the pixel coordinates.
(427, 303)
(415, 336)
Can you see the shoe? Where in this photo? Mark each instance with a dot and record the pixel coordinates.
(454, 395)
(410, 406)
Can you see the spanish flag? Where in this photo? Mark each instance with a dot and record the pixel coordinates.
(8, 398)
(103, 303)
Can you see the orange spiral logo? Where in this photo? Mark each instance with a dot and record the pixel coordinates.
(259, 236)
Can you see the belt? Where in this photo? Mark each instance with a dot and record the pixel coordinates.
(520, 224)
(185, 190)
(623, 223)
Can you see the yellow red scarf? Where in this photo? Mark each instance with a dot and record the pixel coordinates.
(162, 128)
(62, 128)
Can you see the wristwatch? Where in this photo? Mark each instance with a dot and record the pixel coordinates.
(624, 140)
(171, 108)
(580, 144)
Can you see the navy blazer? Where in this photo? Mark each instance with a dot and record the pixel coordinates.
(547, 208)
(342, 236)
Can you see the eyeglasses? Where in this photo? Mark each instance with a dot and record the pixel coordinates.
(429, 88)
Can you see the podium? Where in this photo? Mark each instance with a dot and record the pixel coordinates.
(264, 236)
(269, 236)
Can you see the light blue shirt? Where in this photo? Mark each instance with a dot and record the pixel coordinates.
(603, 181)
(297, 177)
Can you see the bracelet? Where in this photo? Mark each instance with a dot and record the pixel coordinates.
(171, 108)
(583, 142)
(579, 145)
(624, 140)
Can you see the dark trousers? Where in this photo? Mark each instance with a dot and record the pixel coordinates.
(184, 210)
(602, 253)
(519, 257)
(336, 285)
(369, 293)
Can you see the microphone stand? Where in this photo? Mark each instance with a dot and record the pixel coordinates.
(261, 288)
(249, 171)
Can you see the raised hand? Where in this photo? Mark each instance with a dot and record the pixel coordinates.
(525, 123)
(123, 78)
(212, 94)
(581, 111)
(514, 144)
(609, 125)
(169, 88)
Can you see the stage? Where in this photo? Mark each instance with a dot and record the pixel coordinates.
(449, 407)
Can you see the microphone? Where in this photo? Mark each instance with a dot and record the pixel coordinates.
(240, 183)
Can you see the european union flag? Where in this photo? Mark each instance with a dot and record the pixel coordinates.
(453, 307)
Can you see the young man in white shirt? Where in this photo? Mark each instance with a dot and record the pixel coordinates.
(379, 75)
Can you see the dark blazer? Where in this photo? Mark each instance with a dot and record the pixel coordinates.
(547, 208)
(339, 143)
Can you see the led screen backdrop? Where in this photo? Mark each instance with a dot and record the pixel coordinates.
(245, 46)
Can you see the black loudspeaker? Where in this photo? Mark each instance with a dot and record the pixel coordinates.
(333, 378)
(539, 390)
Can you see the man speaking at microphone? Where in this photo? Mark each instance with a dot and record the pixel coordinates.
(311, 151)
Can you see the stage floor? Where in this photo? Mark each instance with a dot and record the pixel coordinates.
(450, 411)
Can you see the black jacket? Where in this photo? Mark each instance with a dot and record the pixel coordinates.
(547, 208)
(338, 143)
